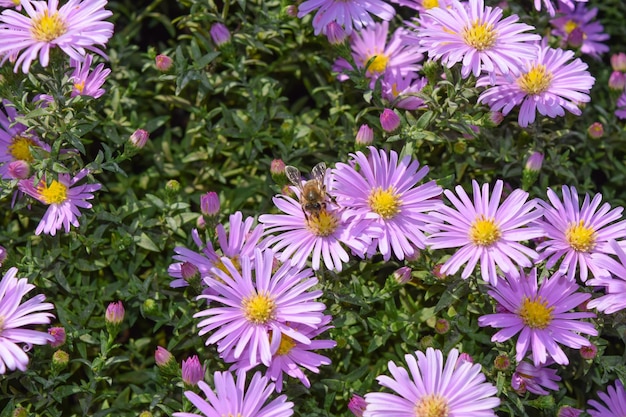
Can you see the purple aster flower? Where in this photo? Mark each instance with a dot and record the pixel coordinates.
(63, 197)
(614, 402)
(347, 13)
(433, 387)
(291, 355)
(486, 231)
(423, 5)
(621, 106)
(296, 236)
(541, 315)
(550, 6)
(549, 84)
(85, 81)
(614, 284)
(76, 27)
(372, 52)
(477, 36)
(231, 398)
(259, 307)
(574, 233)
(386, 201)
(582, 20)
(16, 315)
(528, 377)
(16, 143)
(400, 91)
(240, 240)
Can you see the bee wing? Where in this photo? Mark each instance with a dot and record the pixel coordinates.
(293, 175)
(319, 171)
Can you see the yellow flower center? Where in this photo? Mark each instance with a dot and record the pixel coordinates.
(535, 313)
(55, 193)
(535, 81)
(17, 2)
(324, 224)
(378, 64)
(432, 405)
(580, 237)
(484, 231)
(429, 4)
(259, 308)
(20, 148)
(79, 87)
(480, 36)
(394, 90)
(286, 344)
(570, 26)
(220, 265)
(385, 203)
(47, 28)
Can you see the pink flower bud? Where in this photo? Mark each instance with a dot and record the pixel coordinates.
(277, 167)
(596, 130)
(402, 275)
(115, 313)
(618, 62)
(19, 169)
(59, 336)
(3, 255)
(357, 405)
(389, 120)
(210, 204)
(162, 356)
(219, 34)
(193, 371)
(617, 81)
(365, 135)
(589, 352)
(163, 62)
(534, 162)
(335, 33)
(139, 138)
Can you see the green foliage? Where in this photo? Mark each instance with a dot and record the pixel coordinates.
(216, 120)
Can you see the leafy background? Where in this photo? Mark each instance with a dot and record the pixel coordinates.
(216, 121)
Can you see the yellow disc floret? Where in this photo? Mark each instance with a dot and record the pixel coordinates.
(385, 203)
(432, 405)
(46, 28)
(480, 36)
(535, 313)
(259, 308)
(55, 193)
(378, 64)
(429, 4)
(484, 231)
(20, 148)
(286, 344)
(535, 81)
(580, 237)
(323, 223)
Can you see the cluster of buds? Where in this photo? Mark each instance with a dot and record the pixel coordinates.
(617, 80)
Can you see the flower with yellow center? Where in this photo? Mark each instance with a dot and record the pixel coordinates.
(323, 224)
(569, 26)
(55, 193)
(535, 313)
(259, 308)
(286, 345)
(386, 203)
(432, 405)
(378, 64)
(580, 237)
(20, 148)
(484, 231)
(480, 36)
(429, 4)
(535, 81)
(46, 28)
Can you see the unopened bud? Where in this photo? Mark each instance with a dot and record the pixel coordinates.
(618, 62)
(192, 371)
(139, 138)
(60, 359)
(389, 120)
(335, 34)
(575, 38)
(442, 326)
(589, 352)
(59, 336)
(364, 137)
(20, 412)
(163, 62)
(596, 130)
(567, 411)
(357, 405)
(502, 362)
(530, 173)
(402, 275)
(464, 358)
(19, 169)
(617, 81)
(219, 34)
(3, 255)
(277, 171)
(115, 313)
(210, 204)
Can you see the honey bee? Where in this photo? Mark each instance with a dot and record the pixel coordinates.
(313, 192)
